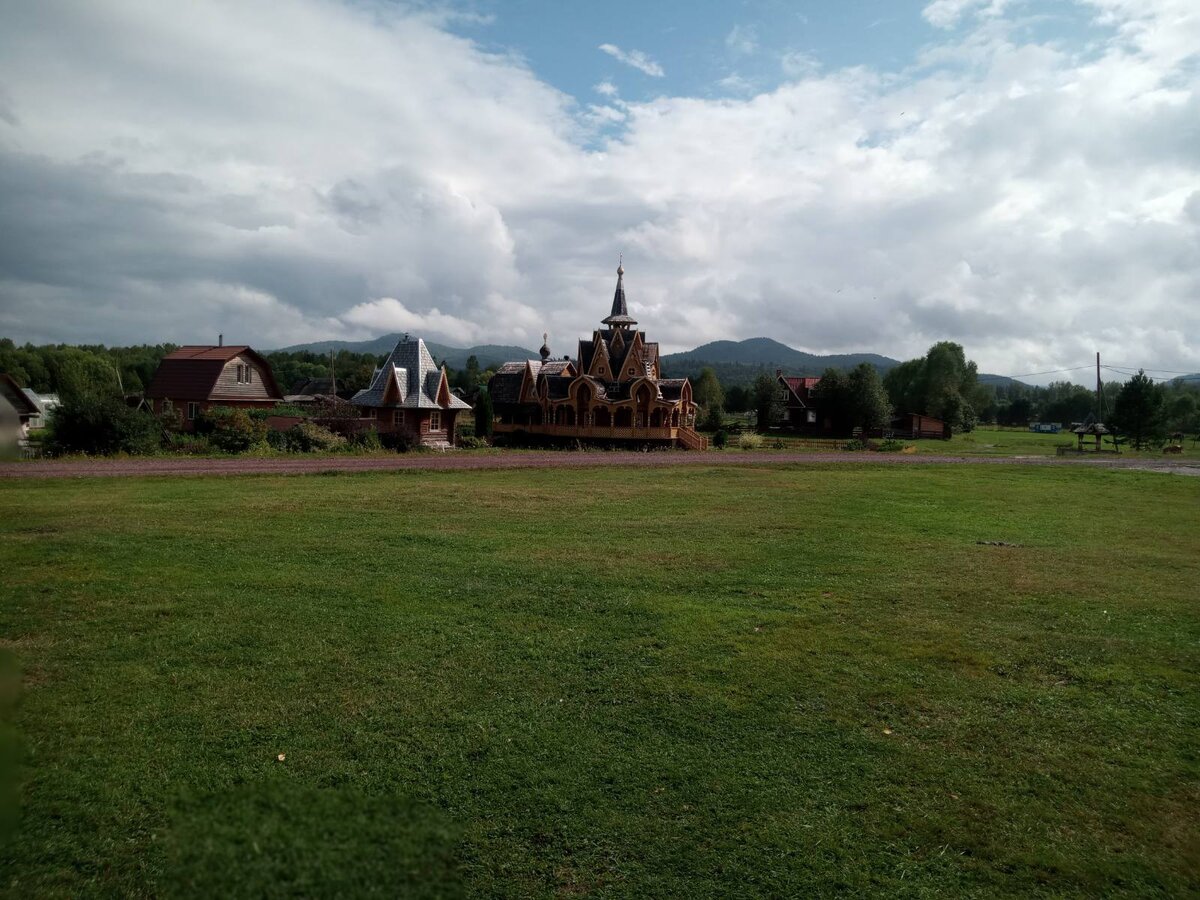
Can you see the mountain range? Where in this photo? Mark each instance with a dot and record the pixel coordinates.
(735, 362)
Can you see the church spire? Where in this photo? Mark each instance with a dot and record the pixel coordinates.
(619, 317)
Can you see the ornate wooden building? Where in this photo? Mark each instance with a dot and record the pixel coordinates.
(613, 390)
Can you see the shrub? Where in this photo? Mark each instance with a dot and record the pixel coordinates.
(779, 444)
(891, 445)
(720, 439)
(101, 424)
(854, 445)
(714, 419)
(367, 440)
(305, 437)
(231, 430)
(396, 440)
(749, 442)
(470, 442)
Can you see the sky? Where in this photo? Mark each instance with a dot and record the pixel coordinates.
(1020, 177)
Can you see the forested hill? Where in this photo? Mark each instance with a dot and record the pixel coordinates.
(740, 362)
(489, 356)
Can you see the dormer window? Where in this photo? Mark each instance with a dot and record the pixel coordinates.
(243, 374)
(632, 372)
(601, 370)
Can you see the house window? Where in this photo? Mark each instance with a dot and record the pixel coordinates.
(435, 420)
(601, 370)
(783, 395)
(812, 417)
(249, 373)
(632, 371)
(193, 410)
(398, 417)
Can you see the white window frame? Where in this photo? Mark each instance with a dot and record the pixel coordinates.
(435, 420)
(398, 417)
(193, 410)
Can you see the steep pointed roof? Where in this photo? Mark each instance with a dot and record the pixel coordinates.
(408, 379)
(619, 317)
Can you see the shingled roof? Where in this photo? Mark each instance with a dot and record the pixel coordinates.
(191, 372)
(408, 379)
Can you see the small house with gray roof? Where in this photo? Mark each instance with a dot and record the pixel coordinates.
(410, 395)
(613, 390)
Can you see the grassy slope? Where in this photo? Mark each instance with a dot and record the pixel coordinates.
(648, 683)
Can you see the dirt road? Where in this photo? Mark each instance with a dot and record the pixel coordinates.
(299, 465)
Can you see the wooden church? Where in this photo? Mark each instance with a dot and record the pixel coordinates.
(613, 390)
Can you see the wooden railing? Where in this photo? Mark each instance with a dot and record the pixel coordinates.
(692, 440)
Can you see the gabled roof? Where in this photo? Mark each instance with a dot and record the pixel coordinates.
(16, 396)
(191, 372)
(408, 379)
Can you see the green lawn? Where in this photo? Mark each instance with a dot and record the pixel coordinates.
(758, 681)
(983, 441)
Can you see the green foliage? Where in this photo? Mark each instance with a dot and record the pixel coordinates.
(749, 441)
(471, 442)
(891, 445)
(231, 429)
(305, 437)
(768, 408)
(484, 413)
(100, 423)
(706, 390)
(720, 439)
(738, 399)
(854, 400)
(1139, 411)
(855, 445)
(942, 384)
(713, 419)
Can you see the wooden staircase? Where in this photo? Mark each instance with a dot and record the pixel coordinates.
(690, 439)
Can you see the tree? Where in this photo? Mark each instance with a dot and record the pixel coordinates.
(483, 414)
(1139, 411)
(867, 405)
(707, 389)
(943, 384)
(768, 408)
(831, 394)
(737, 399)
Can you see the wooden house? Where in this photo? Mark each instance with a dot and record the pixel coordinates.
(195, 378)
(613, 390)
(409, 394)
(16, 412)
(798, 393)
(915, 425)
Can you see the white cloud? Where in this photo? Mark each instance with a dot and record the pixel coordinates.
(606, 89)
(167, 174)
(635, 58)
(742, 40)
(947, 13)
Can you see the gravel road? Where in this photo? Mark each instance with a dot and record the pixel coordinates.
(299, 465)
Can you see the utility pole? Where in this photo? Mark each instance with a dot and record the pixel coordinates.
(333, 373)
(1099, 391)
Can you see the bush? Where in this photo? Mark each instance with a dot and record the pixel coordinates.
(231, 430)
(470, 442)
(749, 442)
(714, 419)
(188, 444)
(308, 436)
(367, 440)
(101, 424)
(891, 445)
(779, 444)
(720, 439)
(396, 440)
(854, 445)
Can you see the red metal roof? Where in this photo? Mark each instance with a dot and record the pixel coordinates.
(801, 383)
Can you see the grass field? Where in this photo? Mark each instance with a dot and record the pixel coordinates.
(756, 681)
(983, 441)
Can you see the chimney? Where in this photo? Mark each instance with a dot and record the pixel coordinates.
(779, 373)
(220, 340)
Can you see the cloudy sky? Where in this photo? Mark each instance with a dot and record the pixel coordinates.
(1021, 177)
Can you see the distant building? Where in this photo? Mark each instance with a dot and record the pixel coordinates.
(195, 378)
(410, 395)
(46, 404)
(915, 425)
(798, 394)
(612, 391)
(16, 412)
